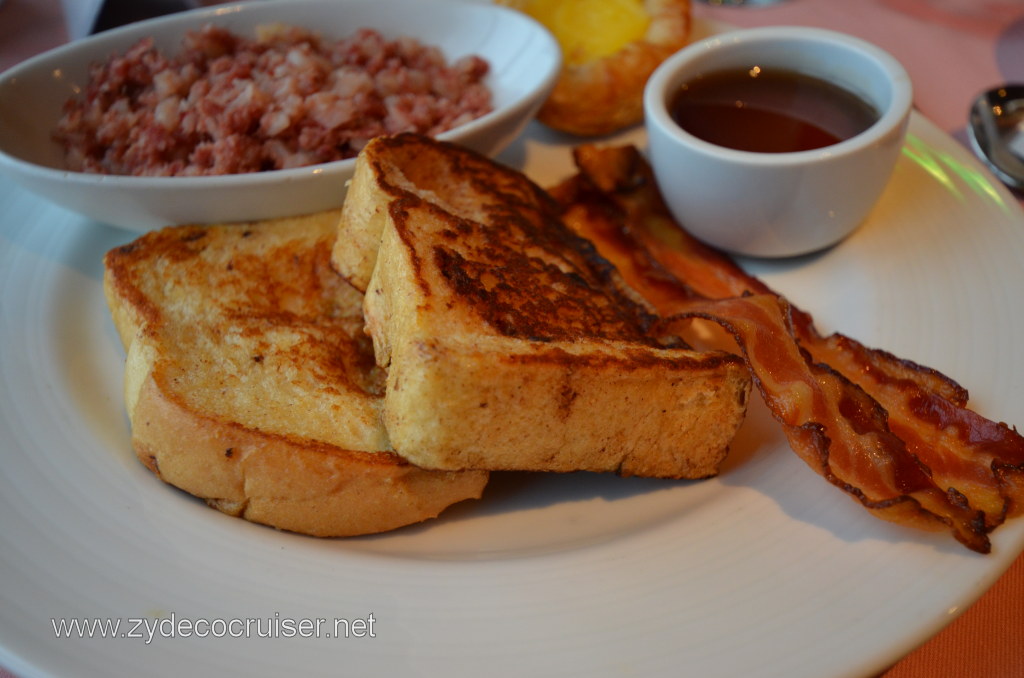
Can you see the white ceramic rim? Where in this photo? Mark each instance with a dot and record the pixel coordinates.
(666, 77)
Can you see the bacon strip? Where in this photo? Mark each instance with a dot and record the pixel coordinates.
(621, 178)
(893, 434)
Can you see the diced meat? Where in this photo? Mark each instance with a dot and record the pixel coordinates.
(226, 104)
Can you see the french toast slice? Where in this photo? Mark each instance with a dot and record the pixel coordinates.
(249, 382)
(509, 343)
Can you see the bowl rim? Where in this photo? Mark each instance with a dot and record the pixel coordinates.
(665, 77)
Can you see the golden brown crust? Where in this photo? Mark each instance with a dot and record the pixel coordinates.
(292, 484)
(502, 405)
(520, 337)
(248, 382)
(604, 95)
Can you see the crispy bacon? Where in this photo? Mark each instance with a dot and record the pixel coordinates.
(895, 435)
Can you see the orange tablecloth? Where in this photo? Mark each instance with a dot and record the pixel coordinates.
(953, 49)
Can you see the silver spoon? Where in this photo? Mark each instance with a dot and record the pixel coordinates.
(996, 130)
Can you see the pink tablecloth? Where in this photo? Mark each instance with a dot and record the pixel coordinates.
(953, 50)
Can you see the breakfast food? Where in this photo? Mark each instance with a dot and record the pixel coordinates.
(228, 104)
(896, 436)
(778, 111)
(610, 48)
(518, 330)
(249, 383)
(509, 344)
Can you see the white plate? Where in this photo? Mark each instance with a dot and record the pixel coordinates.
(766, 570)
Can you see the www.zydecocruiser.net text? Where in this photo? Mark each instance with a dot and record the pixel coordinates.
(148, 629)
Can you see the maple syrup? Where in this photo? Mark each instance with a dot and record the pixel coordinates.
(769, 111)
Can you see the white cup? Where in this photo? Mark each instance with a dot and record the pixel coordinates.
(778, 204)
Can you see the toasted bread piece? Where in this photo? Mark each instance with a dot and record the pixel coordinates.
(597, 94)
(250, 384)
(509, 343)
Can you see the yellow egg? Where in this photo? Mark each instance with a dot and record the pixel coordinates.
(590, 29)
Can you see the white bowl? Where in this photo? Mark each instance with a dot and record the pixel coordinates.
(523, 56)
(778, 204)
